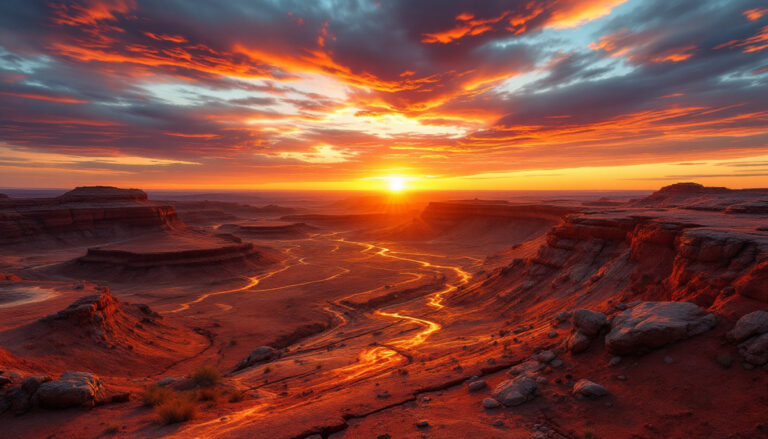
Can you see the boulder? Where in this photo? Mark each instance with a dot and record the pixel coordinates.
(475, 386)
(18, 399)
(588, 389)
(588, 322)
(515, 391)
(579, 342)
(528, 367)
(72, 389)
(651, 325)
(490, 403)
(562, 316)
(546, 356)
(755, 350)
(754, 323)
(258, 355)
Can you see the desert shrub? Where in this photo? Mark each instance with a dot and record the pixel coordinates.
(206, 376)
(155, 395)
(176, 410)
(725, 360)
(207, 394)
(237, 396)
(112, 429)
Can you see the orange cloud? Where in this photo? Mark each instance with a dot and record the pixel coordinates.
(755, 14)
(755, 43)
(675, 54)
(50, 98)
(90, 13)
(467, 26)
(576, 13)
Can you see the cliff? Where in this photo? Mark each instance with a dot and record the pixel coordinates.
(697, 197)
(639, 254)
(91, 213)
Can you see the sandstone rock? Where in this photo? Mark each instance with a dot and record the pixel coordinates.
(19, 399)
(4, 381)
(475, 386)
(589, 389)
(579, 342)
(754, 323)
(490, 403)
(258, 355)
(530, 366)
(72, 389)
(556, 362)
(650, 325)
(168, 381)
(546, 356)
(422, 424)
(515, 391)
(588, 322)
(562, 316)
(755, 350)
(614, 361)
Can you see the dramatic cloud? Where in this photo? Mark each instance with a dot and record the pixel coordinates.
(338, 93)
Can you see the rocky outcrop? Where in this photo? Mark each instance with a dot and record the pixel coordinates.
(92, 213)
(697, 197)
(588, 389)
(751, 332)
(754, 323)
(515, 391)
(203, 256)
(586, 325)
(650, 325)
(102, 317)
(72, 389)
(102, 334)
(259, 355)
(270, 230)
(626, 256)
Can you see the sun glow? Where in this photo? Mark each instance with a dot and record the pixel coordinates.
(396, 184)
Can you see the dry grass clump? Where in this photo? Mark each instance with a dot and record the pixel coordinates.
(237, 396)
(206, 376)
(154, 395)
(176, 410)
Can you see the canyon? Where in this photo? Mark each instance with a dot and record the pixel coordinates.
(572, 316)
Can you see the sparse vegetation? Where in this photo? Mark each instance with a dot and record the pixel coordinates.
(233, 342)
(725, 360)
(155, 395)
(112, 429)
(267, 370)
(207, 394)
(589, 434)
(206, 376)
(237, 396)
(176, 410)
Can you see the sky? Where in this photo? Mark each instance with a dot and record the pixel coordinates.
(349, 94)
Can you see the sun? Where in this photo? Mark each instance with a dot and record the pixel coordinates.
(396, 184)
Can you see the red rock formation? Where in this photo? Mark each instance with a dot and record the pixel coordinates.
(102, 334)
(604, 256)
(82, 213)
(207, 256)
(697, 197)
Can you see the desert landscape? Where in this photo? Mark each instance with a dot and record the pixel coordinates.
(383, 219)
(466, 318)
